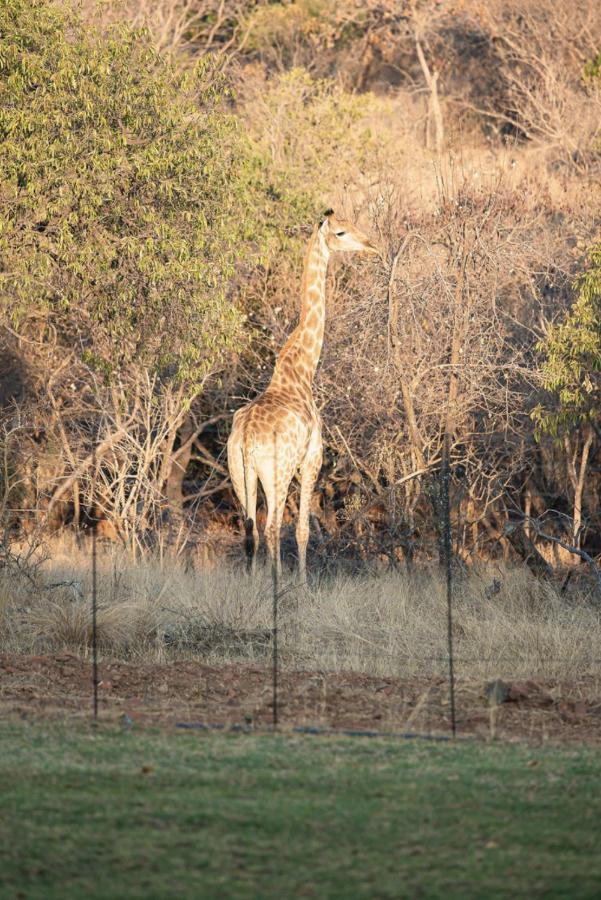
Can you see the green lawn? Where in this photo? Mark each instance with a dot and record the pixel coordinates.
(119, 814)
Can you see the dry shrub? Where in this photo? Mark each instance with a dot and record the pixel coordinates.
(317, 134)
(327, 38)
(178, 27)
(437, 338)
(539, 53)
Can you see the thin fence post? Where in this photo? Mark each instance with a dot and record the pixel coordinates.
(446, 515)
(94, 595)
(274, 638)
(275, 587)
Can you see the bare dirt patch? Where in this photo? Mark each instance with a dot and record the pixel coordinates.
(59, 686)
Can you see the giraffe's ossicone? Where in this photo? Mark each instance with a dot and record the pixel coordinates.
(278, 435)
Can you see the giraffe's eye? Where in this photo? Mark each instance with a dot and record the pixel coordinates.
(340, 233)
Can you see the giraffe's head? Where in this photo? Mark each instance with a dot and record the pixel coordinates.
(342, 236)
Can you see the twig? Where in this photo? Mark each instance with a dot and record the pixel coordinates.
(88, 461)
(595, 571)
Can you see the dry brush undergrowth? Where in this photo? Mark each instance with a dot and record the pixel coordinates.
(507, 624)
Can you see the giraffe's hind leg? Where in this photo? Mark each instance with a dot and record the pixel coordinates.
(273, 526)
(244, 482)
(275, 485)
(309, 473)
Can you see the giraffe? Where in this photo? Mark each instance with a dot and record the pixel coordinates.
(277, 436)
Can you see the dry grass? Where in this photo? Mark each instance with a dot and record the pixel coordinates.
(382, 624)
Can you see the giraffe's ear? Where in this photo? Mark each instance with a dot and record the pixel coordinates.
(326, 216)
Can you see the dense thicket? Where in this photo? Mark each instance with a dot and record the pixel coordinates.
(131, 202)
(154, 206)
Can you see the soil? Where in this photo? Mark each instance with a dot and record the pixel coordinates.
(190, 693)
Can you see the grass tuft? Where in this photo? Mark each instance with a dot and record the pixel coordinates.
(386, 624)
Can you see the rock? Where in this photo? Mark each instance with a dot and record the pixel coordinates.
(529, 692)
(497, 692)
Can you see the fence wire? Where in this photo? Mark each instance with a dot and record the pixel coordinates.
(450, 660)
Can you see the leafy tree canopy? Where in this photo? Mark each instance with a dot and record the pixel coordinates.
(571, 368)
(130, 196)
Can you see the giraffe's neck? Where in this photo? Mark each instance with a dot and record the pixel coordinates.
(299, 356)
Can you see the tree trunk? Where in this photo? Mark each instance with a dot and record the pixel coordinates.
(434, 110)
(579, 486)
(577, 477)
(178, 465)
(525, 549)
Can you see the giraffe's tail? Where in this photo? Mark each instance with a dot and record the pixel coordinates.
(249, 541)
(249, 523)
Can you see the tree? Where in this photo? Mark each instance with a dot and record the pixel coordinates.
(570, 373)
(129, 195)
